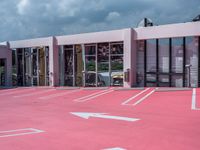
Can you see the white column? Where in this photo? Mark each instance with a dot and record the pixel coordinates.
(130, 56)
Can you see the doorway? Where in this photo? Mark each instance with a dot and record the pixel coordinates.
(32, 66)
(2, 72)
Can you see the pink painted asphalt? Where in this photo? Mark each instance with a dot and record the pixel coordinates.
(167, 121)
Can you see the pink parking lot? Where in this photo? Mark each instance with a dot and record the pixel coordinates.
(99, 119)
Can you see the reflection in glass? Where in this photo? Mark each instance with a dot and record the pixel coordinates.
(192, 59)
(2, 72)
(68, 67)
(103, 64)
(164, 55)
(177, 55)
(117, 74)
(151, 55)
(90, 65)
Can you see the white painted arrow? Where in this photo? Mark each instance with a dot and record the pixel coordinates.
(86, 115)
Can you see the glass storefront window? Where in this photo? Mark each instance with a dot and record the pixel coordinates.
(2, 72)
(117, 74)
(192, 59)
(151, 55)
(164, 55)
(103, 64)
(177, 55)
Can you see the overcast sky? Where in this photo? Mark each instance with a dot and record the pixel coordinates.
(21, 19)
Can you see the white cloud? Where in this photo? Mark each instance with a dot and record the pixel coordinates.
(21, 6)
(113, 16)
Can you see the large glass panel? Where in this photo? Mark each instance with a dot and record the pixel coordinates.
(47, 65)
(2, 72)
(103, 64)
(163, 62)
(177, 81)
(20, 70)
(177, 55)
(151, 55)
(164, 55)
(41, 61)
(177, 62)
(34, 67)
(116, 56)
(192, 59)
(14, 67)
(140, 62)
(90, 65)
(68, 67)
(27, 66)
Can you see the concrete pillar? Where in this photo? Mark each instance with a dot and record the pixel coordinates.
(130, 57)
(6, 53)
(53, 63)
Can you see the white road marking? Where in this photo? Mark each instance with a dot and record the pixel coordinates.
(193, 106)
(143, 98)
(89, 95)
(194, 99)
(133, 97)
(115, 148)
(26, 131)
(86, 115)
(97, 95)
(36, 93)
(58, 94)
(16, 92)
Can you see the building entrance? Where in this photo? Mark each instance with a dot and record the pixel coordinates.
(32, 66)
(2, 72)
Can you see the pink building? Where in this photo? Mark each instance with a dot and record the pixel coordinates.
(166, 55)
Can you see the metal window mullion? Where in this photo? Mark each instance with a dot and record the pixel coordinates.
(38, 68)
(145, 62)
(184, 59)
(96, 65)
(73, 65)
(157, 62)
(16, 63)
(170, 62)
(23, 67)
(199, 61)
(109, 59)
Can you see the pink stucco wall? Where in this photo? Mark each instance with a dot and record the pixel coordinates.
(167, 31)
(129, 36)
(6, 53)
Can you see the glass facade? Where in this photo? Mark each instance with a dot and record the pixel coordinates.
(30, 66)
(101, 65)
(165, 61)
(2, 72)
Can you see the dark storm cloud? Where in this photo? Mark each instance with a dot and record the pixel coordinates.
(22, 19)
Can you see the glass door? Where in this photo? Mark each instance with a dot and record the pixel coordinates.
(90, 65)
(27, 66)
(2, 72)
(68, 65)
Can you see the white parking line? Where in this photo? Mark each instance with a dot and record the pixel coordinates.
(25, 131)
(59, 94)
(133, 97)
(16, 92)
(193, 106)
(97, 95)
(115, 148)
(36, 93)
(143, 98)
(89, 95)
